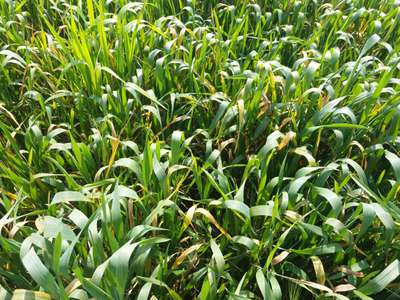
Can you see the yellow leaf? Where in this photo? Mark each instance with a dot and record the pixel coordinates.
(185, 253)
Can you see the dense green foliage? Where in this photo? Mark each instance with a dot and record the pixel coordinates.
(199, 149)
